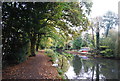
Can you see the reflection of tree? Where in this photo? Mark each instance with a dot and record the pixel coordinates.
(97, 72)
(93, 68)
(77, 64)
(100, 68)
(86, 67)
(88, 64)
(109, 69)
(118, 63)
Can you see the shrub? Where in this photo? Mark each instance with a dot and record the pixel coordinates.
(50, 53)
(107, 52)
(63, 63)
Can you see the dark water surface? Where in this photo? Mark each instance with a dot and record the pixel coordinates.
(91, 69)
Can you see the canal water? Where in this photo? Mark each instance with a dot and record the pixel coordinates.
(93, 69)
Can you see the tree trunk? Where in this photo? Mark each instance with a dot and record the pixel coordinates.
(97, 38)
(97, 72)
(93, 37)
(62, 63)
(33, 43)
(38, 41)
(107, 30)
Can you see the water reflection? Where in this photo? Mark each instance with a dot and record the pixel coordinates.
(93, 69)
(77, 64)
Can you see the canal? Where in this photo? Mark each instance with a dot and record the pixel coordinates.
(93, 69)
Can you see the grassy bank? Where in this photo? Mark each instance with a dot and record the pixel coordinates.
(61, 60)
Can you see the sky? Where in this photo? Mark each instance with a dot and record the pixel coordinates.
(100, 7)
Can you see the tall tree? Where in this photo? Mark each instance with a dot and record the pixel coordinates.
(28, 22)
(98, 21)
(93, 37)
(110, 20)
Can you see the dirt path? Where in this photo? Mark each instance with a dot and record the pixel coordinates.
(38, 67)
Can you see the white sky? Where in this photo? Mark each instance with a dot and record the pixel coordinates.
(102, 6)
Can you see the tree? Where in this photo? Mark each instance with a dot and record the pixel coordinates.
(97, 36)
(110, 20)
(111, 42)
(28, 23)
(14, 38)
(79, 42)
(93, 36)
(97, 25)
